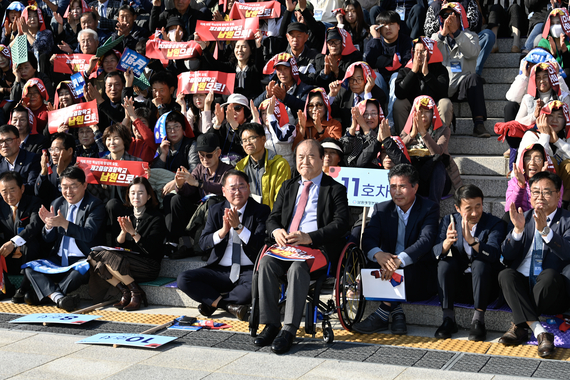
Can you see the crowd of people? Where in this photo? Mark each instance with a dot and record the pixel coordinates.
(323, 84)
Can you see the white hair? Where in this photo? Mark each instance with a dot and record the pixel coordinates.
(88, 31)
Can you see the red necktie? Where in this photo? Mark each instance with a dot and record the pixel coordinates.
(301, 207)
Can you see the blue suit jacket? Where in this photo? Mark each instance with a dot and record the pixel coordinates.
(490, 231)
(27, 164)
(87, 230)
(254, 218)
(556, 254)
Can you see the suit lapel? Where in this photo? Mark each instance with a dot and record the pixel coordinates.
(288, 212)
(459, 229)
(412, 219)
(322, 201)
(393, 227)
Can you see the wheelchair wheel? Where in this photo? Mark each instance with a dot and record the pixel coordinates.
(350, 301)
(328, 334)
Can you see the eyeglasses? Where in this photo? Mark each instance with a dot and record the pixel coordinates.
(207, 155)
(536, 160)
(334, 42)
(315, 105)
(238, 108)
(249, 140)
(355, 80)
(174, 128)
(370, 115)
(8, 141)
(546, 194)
(446, 15)
(71, 187)
(236, 189)
(55, 150)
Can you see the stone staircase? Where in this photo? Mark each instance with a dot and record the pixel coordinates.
(480, 161)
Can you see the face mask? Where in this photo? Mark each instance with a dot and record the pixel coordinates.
(556, 30)
(172, 35)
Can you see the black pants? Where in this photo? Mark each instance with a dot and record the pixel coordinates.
(514, 16)
(548, 296)
(205, 285)
(477, 288)
(46, 284)
(115, 208)
(178, 211)
(471, 90)
(511, 110)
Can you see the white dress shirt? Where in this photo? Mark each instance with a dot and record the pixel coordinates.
(244, 236)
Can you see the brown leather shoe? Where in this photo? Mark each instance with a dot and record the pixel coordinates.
(545, 344)
(514, 336)
(125, 298)
(138, 297)
(241, 312)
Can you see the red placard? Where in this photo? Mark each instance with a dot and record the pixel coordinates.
(264, 10)
(100, 171)
(165, 50)
(71, 64)
(227, 30)
(75, 116)
(202, 82)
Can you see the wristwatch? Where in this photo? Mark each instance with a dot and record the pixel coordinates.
(239, 227)
(545, 231)
(475, 242)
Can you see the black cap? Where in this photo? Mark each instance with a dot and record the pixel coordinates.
(173, 21)
(297, 26)
(207, 142)
(333, 34)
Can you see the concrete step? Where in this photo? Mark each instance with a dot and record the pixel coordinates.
(505, 45)
(495, 206)
(502, 60)
(482, 165)
(495, 109)
(500, 75)
(467, 145)
(496, 91)
(464, 126)
(492, 186)
(171, 268)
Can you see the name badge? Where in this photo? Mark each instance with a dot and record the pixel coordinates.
(455, 66)
(537, 266)
(401, 10)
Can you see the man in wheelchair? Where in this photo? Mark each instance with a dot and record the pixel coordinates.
(311, 210)
(413, 221)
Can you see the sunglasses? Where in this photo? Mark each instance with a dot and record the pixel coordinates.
(207, 155)
(238, 108)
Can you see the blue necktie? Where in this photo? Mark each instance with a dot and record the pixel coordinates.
(66, 239)
(536, 258)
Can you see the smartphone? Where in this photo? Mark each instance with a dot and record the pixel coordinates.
(379, 27)
(452, 222)
(187, 321)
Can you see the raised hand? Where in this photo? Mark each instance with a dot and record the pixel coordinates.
(517, 218)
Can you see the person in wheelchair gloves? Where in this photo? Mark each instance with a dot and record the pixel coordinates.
(311, 210)
(235, 233)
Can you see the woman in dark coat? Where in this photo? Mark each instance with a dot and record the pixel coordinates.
(142, 232)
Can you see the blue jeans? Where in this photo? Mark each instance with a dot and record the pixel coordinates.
(486, 42)
(532, 35)
(391, 92)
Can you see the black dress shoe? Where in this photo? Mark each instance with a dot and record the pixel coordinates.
(447, 328)
(10, 291)
(478, 332)
(283, 342)
(514, 336)
(398, 326)
(370, 325)
(239, 311)
(545, 344)
(31, 298)
(69, 303)
(19, 296)
(267, 336)
(206, 310)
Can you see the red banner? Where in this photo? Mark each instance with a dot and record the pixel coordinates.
(165, 50)
(71, 64)
(267, 9)
(75, 116)
(202, 82)
(100, 171)
(227, 30)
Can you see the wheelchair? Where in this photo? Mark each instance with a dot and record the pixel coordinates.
(343, 285)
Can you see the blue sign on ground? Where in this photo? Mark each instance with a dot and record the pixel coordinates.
(66, 319)
(135, 340)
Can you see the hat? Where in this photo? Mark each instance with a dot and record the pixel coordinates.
(207, 142)
(237, 99)
(283, 63)
(299, 26)
(333, 34)
(173, 21)
(309, 7)
(332, 145)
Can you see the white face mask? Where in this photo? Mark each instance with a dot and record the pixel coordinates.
(556, 30)
(172, 35)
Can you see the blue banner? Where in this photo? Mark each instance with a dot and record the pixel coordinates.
(131, 58)
(160, 129)
(77, 83)
(47, 267)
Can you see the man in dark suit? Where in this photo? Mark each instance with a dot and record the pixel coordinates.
(20, 226)
(537, 254)
(401, 234)
(468, 250)
(315, 215)
(74, 224)
(21, 117)
(235, 233)
(16, 159)
(360, 87)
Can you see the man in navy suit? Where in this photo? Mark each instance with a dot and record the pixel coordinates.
(537, 253)
(468, 250)
(235, 233)
(401, 234)
(20, 118)
(16, 159)
(73, 224)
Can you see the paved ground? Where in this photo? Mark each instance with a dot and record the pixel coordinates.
(40, 352)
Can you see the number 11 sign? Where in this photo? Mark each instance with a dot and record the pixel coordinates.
(365, 187)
